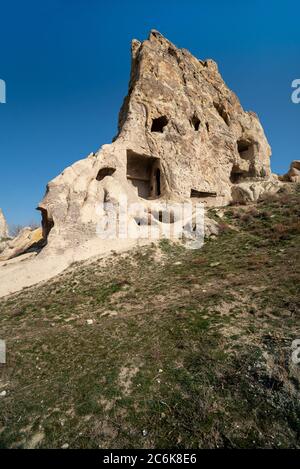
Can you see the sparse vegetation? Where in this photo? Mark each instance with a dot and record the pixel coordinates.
(191, 347)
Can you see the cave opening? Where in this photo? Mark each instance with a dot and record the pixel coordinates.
(241, 170)
(103, 172)
(144, 173)
(246, 149)
(159, 124)
(236, 175)
(195, 121)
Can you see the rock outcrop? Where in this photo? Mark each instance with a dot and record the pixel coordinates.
(293, 175)
(3, 226)
(183, 136)
(250, 192)
(26, 240)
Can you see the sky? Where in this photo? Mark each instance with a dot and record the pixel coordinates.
(66, 65)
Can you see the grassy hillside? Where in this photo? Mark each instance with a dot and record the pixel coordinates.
(163, 347)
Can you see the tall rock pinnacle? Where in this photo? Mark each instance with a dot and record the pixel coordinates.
(3, 226)
(183, 135)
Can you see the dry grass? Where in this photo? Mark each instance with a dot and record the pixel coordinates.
(195, 355)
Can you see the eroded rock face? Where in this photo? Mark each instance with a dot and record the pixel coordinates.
(3, 226)
(26, 240)
(250, 192)
(293, 175)
(183, 136)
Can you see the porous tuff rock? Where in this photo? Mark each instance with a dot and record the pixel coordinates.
(251, 192)
(26, 240)
(183, 135)
(293, 175)
(3, 226)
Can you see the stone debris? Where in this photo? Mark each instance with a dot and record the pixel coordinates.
(26, 240)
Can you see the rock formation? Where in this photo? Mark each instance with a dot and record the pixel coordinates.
(293, 174)
(3, 226)
(27, 240)
(183, 136)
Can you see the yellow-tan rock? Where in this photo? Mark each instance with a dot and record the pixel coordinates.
(3, 226)
(183, 135)
(26, 240)
(293, 175)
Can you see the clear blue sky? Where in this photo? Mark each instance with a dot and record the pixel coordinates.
(66, 64)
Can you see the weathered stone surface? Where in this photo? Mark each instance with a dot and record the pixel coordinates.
(250, 192)
(3, 226)
(183, 135)
(27, 239)
(3, 245)
(293, 174)
(212, 228)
